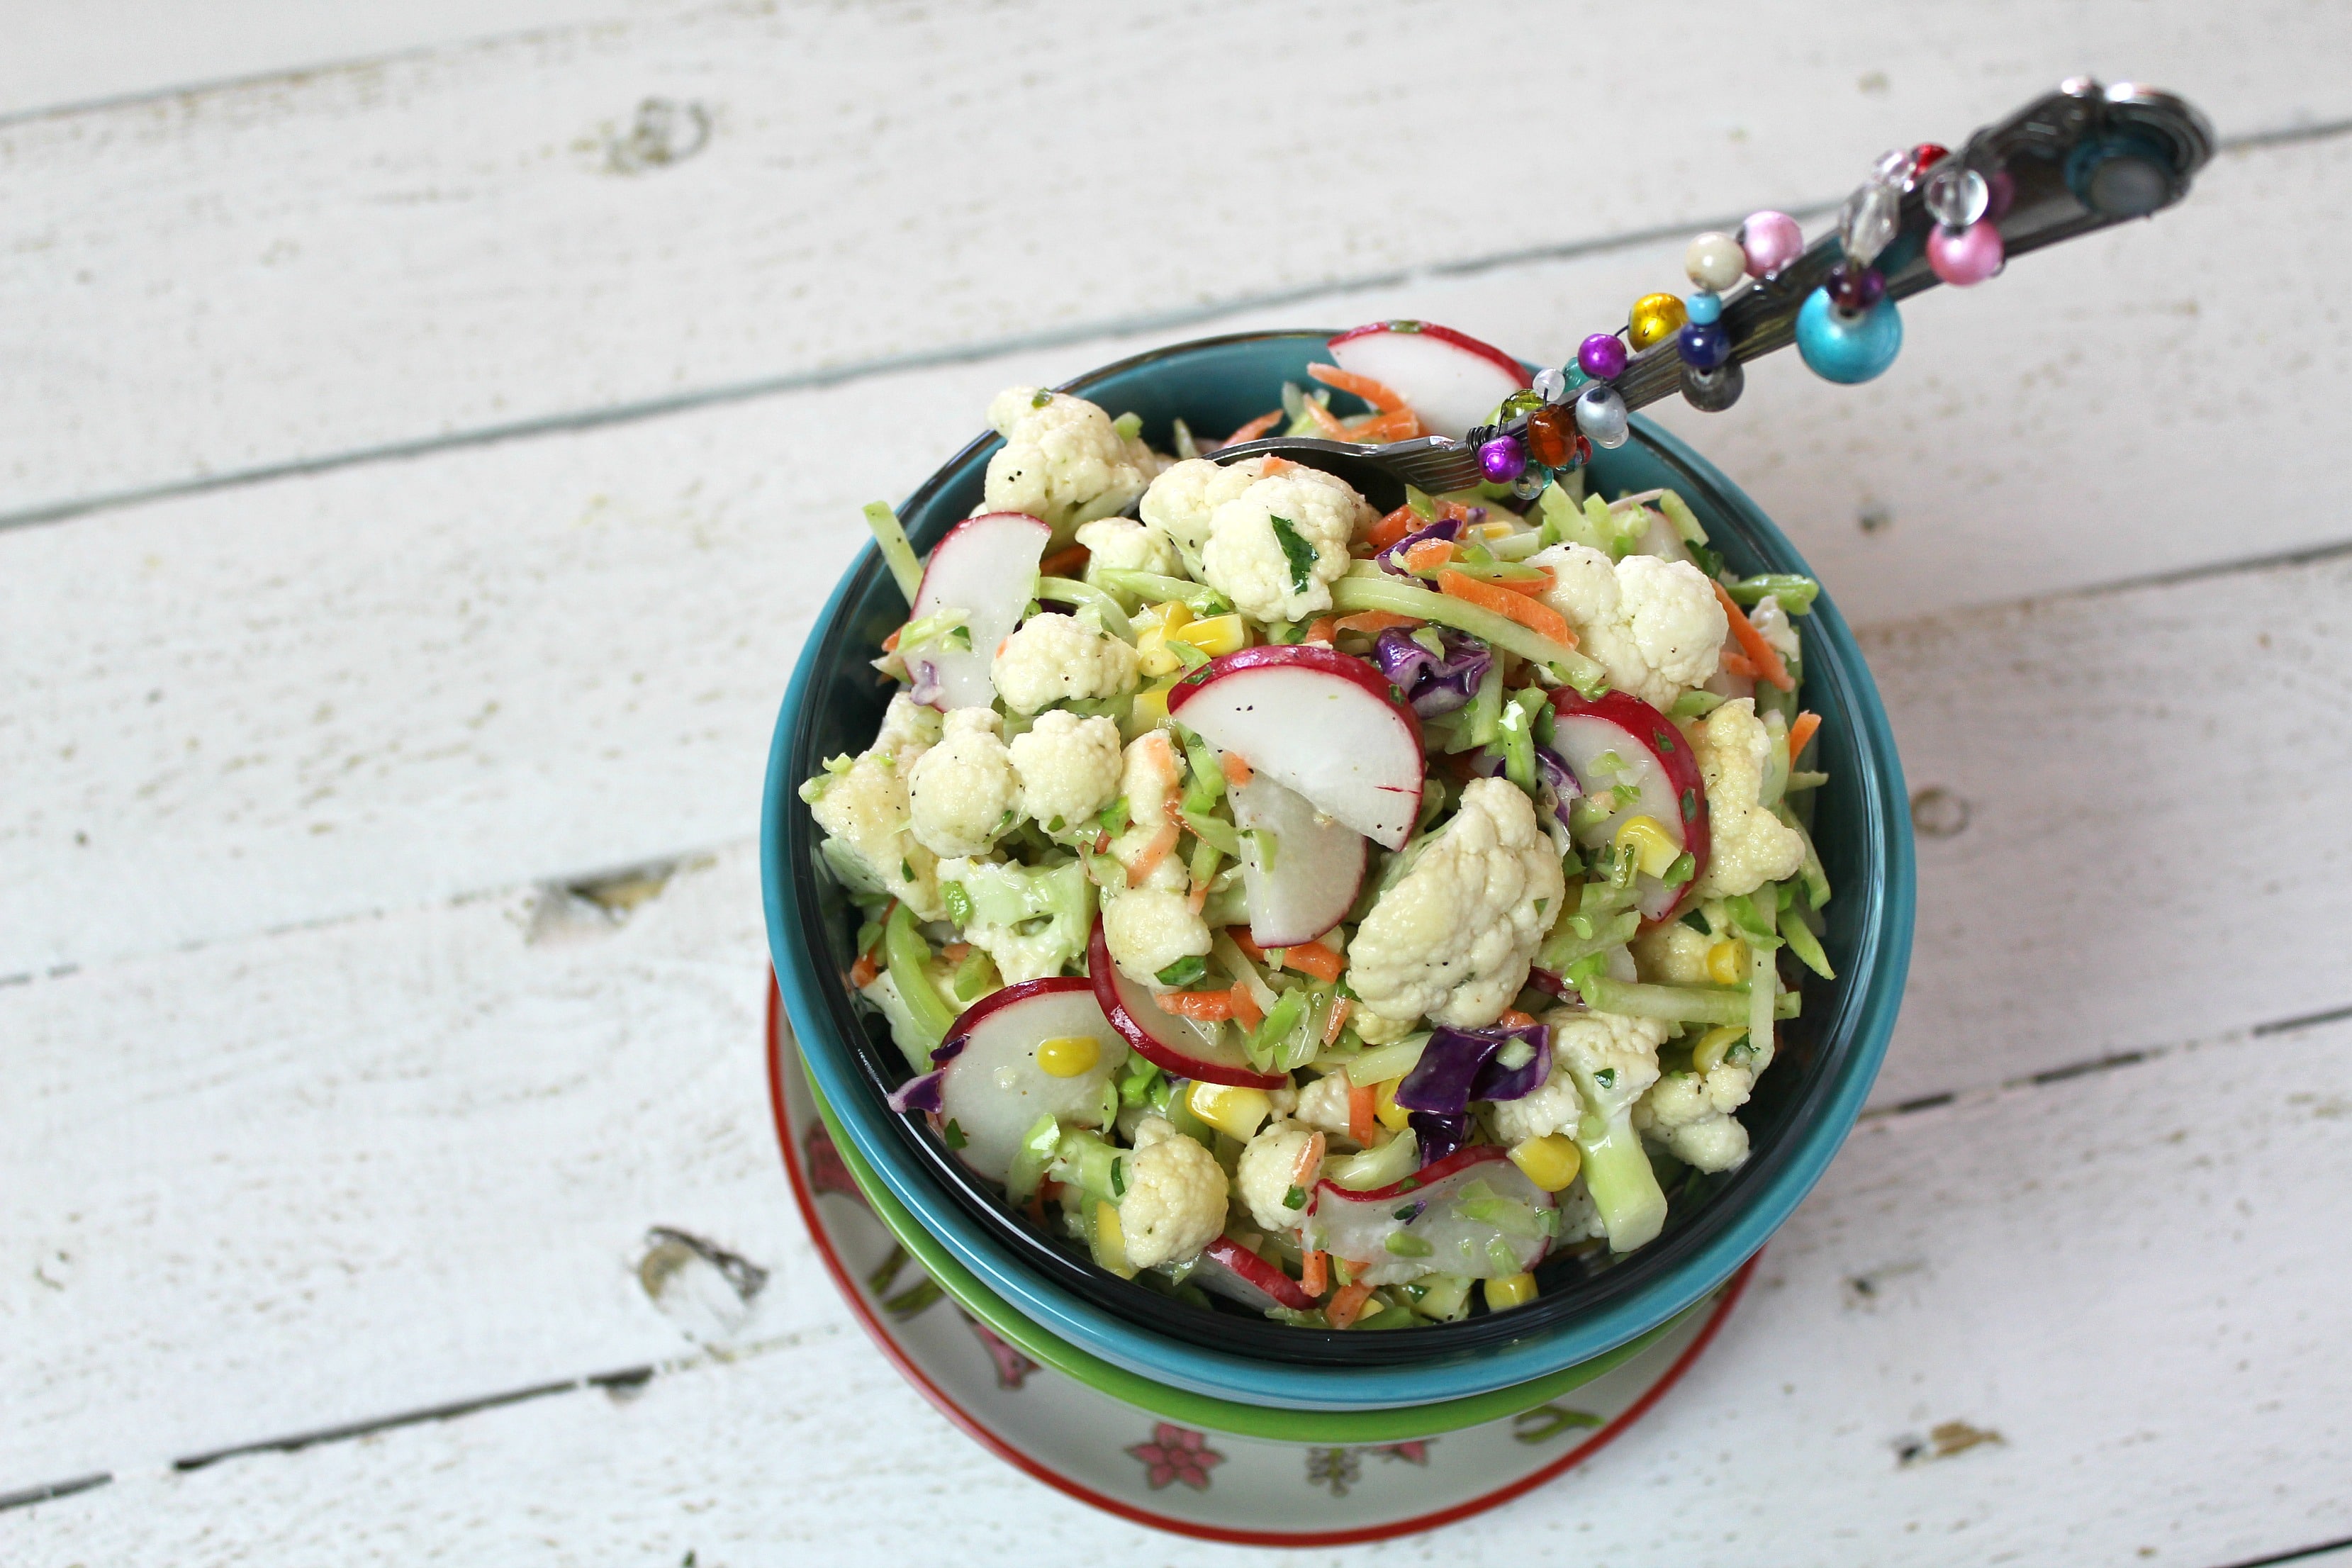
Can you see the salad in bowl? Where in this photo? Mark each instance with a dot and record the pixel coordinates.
(1337, 911)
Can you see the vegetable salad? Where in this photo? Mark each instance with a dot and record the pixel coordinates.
(1338, 912)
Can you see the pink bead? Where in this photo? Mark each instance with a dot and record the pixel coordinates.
(1970, 256)
(1771, 241)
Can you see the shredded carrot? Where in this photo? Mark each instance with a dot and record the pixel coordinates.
(1155, 849)
(1527, 585)
(1512, 1018)
(1049, 1189)
(1800, 735)
(1390, 529)
(1199, 898)
(1102, 843)
(1347, 1305)
(1068, 562)
(1447, 508)
(1254, 429)
(1314, 958)
(1315, 1274)
(1310, 1160)
(1762, 654)
(1339, 1011)
(1361, 1107)
(1531, 613)
(1246, 943)
(890, 643)
(1323, 629)
(1272, 464)
(1200, 1006)
(1372, 622)
(1428, 555)
(1246, 1012)
(862, 973)
(1739, 664)
(956, 951)
(1236, 768)
(1377, 394)
(1397, 425)
(1326, 422)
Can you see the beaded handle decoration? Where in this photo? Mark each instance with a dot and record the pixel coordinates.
(2083, 158)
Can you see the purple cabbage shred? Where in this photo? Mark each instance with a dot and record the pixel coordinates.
(927, 688)
(1391, 560)
(1439, 1135)
(919, 1093)
(1459, 1066)
(1434, 685)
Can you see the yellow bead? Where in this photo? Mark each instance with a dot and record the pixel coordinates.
(1655, 850)
(1217, 635)
(1550, 1162)
(1068, 1056)
(1510, 1290)
(1386, 1110)
(1230, 1109)
(1707, 1055)
(1727, 962)
(1656, 318)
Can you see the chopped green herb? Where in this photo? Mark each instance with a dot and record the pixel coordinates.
(1297, 551)
(953, 1134)
(1296, 1198)
(1115, 817)
(1183, 972)
(1606, 1078)
(1040, 399)
(905, 871)
(1118, 1178)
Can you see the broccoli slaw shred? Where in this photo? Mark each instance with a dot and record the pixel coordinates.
(1343, 915)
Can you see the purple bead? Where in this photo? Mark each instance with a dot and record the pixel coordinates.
(1703, 346)
(1852, 289)
(1601, 356)
(1502, 459)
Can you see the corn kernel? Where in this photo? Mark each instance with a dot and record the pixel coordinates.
(1229, 1108)
(1217, 635)
(1550, 1162)
(1654, 848)
(1110, 1241)
(1707, 1055)
(1385, 1110)
(1510, 1290)
(1150, 709)
(1727, 962)
(1068, 1056)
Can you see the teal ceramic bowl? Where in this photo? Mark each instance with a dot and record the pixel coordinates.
(1801, 1113)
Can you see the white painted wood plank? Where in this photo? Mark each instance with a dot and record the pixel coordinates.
(2130, 1276)
(78, 53)
(399, 250)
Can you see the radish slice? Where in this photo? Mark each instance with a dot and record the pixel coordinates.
(1177, 1046)
(1452, 380)
(1656, 759)
(1237, 1274)
(993, 1090)
(1437, 1207)
(1319, 863)
(1325, 724)
(986, 567)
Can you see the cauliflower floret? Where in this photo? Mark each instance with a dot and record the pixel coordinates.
(1175, 1201)
(1552, 1105)
(1748, 845)
(1182, 498)
(1614, 1060)
(1063, 460)
(1690, 1113)
(1591, 1044)
(1031, 919)
(1275, 549)
(1055, 657)
(1323, 1106)
(1655, 626)
(1580, 1217)
(1454, 937)
(1148, 782)
(909, 729)
(1769, 620)
(1148, 929)
(1673, 954)
(1068, 768)
(1267, 1174)
(1124, 546)
(863, 809)
(962, 791)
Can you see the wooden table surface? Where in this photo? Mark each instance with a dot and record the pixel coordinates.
(431, 428)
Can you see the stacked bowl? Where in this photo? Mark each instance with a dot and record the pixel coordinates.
(1222, 1365)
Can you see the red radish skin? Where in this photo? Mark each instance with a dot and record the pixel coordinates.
(1160, 1037)
(1656, 736)
(1461, 1158)
(1357, 1226)
(1450, 379)
(1254, 1273)
(985, 567)
(1368, 775)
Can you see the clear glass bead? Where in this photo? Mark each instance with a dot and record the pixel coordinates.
(1867, 221)
(1955, 194)
(1551, 386)
(1893, 166)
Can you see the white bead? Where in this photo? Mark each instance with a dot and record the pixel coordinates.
(1601, 415)
(1714, 261)
(1551, 386)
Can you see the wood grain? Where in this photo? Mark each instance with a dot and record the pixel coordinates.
(486, 236)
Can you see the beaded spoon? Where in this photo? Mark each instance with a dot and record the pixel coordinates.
(2077, 160)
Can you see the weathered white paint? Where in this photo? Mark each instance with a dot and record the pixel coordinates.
(2128, 1276)
(402, 249)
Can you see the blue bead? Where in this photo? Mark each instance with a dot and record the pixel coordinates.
(1703, 347)
(1706, 308)
(1845, 348)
